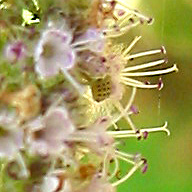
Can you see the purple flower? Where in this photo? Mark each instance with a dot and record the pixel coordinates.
(15, 51)
(54, 53)
(95, 137)
(47, 134)
(11, 135)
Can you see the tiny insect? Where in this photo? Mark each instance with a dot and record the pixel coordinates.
(101, 88)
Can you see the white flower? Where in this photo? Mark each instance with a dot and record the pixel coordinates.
(47, 134)
(11, 135)
(54, 53)
(95, 137)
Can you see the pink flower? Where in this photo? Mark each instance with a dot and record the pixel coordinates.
(54, 53)
(94, 137)
(47, 134)
(15, 51)
(11, 135)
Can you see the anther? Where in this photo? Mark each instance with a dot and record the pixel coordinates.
(137, 131)
(145, 134)
(139, 138)
(131, 20)
(150, 21)
(145, 168)
(121, 13)
(134, 109)
(144, 160)
(160, 84)
(142, 21)
(111, 160)
(163, 50)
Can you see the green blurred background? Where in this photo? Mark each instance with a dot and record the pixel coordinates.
(170, 158)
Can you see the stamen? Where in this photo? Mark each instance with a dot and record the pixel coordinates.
(129, 48)
(145, 53)
(129, 103)
(125, 115)
(160, 84)
(123, 17)
(149, 130)
(138, 85)
(163, 128)
(115, 126)
(122, 3)
(113, 122)
(137, 135)
(127, 155)
(152, 73)
(129, 174)
(136, 82)
(115, 169)
(112, 33)
(125, 159)
(145, 65)
(124, 20)
(105, 166)
(82, 43)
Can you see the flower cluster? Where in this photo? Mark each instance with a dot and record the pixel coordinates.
(62, 83)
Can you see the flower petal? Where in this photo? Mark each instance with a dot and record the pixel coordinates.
(58, 124)
(46, 67)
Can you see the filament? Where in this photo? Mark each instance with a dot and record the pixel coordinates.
(129, 48)
(145, 53)
(138, 85)
(145, 65)
(153, 129)
(129, 103)
(124, 114)
(152, 73)
(76, 85)
(129, 174)
(115, 169)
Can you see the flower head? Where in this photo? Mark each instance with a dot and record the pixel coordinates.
(65, 134)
